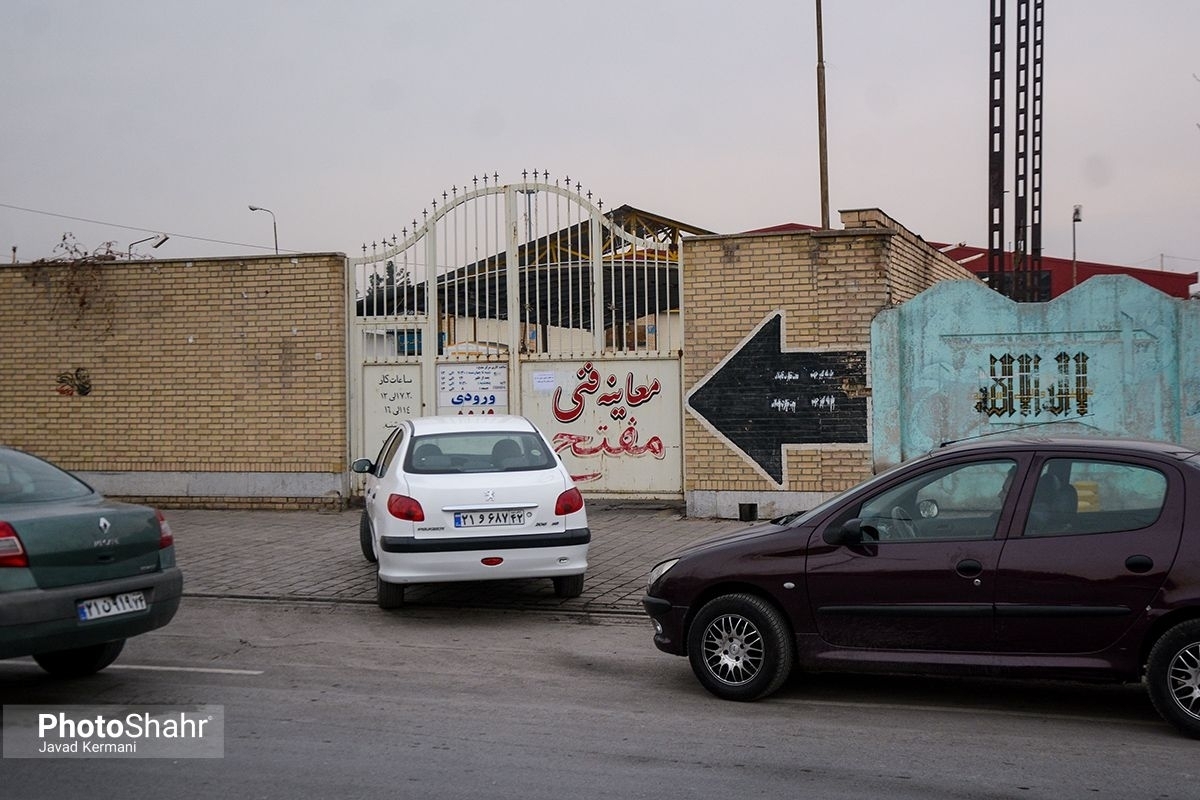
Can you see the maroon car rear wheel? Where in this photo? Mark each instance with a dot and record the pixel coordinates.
(1173, 677)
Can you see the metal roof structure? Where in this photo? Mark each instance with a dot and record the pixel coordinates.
(555, 275)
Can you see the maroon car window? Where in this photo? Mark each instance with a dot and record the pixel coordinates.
(1080, 496)
(961, 501)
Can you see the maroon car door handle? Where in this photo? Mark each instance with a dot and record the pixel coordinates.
(969, 568)
(1139, 564)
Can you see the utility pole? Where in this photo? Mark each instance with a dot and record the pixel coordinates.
(823, 152)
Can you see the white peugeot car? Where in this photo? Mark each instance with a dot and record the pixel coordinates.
(466, 498)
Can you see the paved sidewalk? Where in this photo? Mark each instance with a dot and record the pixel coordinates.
(311, 555)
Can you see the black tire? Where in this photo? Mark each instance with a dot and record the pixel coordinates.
(389, 595)
(365, 539)
(568, 586)
(740, 647)
(80, 661)
(1173, 677)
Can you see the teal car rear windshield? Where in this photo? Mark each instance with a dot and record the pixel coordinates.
(28, 479)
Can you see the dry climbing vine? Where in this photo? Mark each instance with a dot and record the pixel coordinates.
(75, 283)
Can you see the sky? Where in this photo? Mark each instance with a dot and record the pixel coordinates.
(123, 119)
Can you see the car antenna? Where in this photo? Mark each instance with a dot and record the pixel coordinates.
(949, 442)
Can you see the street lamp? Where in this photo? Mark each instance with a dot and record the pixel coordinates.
(274, 229)
(1076, 217)
(158, 238)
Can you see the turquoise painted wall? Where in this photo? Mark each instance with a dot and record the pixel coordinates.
(1111, 356)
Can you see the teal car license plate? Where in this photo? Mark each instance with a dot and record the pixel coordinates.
(100, 607)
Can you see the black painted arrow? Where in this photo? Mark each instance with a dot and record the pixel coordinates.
(762, 397)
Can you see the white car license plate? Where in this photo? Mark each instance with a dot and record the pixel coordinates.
(100, 607)
(475, 519)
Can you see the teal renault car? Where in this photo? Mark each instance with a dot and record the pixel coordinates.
(79, 574)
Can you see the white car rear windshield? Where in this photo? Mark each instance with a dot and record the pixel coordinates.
(477, 451)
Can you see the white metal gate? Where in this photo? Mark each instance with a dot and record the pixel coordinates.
(583, 336)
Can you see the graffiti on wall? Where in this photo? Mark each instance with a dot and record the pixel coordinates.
(1020, 386)
(611, 397)
(74, 382)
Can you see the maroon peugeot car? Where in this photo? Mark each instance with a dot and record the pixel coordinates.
(1040, 558)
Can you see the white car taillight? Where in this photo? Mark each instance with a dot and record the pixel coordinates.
(569, 502)
(12, 552)
(403, 507)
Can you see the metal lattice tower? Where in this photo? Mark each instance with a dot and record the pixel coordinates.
(995, 263)
(1023, 283)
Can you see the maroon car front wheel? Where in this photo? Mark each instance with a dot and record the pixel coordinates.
(740, 647)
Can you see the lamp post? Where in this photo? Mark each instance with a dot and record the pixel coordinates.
(1076, 216)
(274, 229)
(159, 239)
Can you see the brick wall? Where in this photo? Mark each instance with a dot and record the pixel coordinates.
(912, 265)
(204, 382)
(828, 285)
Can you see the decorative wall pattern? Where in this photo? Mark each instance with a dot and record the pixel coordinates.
(1110, 357)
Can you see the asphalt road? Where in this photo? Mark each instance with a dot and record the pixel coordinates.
(344, 700)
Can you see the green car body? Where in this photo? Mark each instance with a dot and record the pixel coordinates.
(79, 574)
